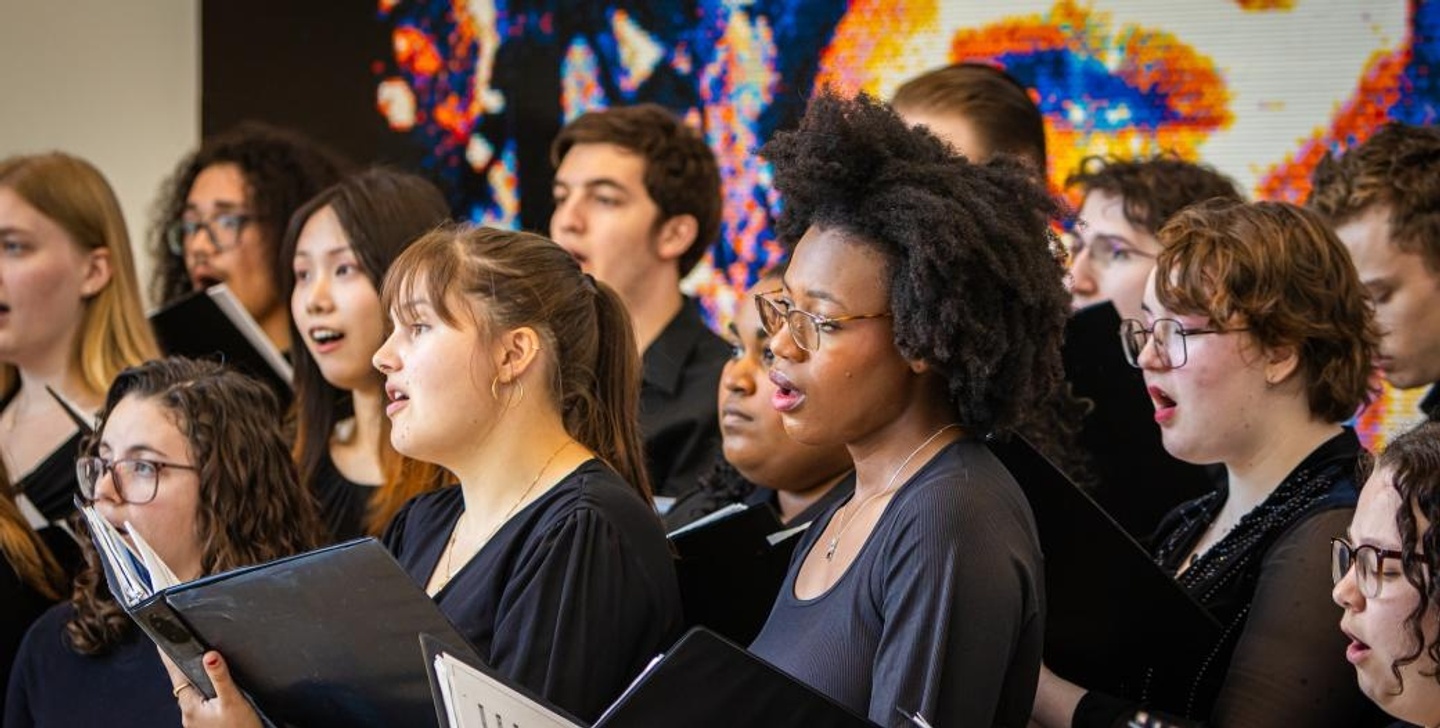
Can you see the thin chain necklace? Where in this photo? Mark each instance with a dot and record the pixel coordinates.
(450, 548)
(835, 540)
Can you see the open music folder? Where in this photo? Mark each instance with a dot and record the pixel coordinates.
(213, 324)
(730, 565)
(704, 681)
(1104, 593)
(322, 638)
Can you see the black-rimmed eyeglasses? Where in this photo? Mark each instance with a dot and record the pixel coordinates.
(1368, 561)
(223, 230)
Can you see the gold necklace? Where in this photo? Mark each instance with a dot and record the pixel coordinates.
(835, 540)
(450, 547)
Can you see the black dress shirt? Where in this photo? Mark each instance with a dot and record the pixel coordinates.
(678, 399)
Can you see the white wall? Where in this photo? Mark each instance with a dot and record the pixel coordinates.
(117, 83)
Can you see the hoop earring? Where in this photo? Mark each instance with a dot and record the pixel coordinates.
(495, 388)
(521, 385)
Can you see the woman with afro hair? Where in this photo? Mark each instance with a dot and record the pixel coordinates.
(923, 309)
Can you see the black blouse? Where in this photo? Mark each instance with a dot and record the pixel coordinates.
(53, 685)
(942, 610)
(343, 502)
(571, 598)
(52, 484)
(1281, 657)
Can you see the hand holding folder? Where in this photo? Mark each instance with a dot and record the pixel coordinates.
(321, 638)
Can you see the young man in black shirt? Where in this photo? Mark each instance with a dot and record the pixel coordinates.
(637, 202)
(1383, 197)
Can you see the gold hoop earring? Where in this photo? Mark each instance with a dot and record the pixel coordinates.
(495, 388)
(521, 385)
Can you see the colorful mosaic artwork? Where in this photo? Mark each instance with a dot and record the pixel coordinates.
(482, 85)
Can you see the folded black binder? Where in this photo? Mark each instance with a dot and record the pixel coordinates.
(1139, 482)
(704, 681)
(324, 638)
(213, 324)
(1104, 593)
(730, 566)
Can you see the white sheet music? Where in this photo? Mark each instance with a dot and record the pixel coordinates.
(476, 700)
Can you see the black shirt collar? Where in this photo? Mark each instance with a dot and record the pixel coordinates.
(664, 360)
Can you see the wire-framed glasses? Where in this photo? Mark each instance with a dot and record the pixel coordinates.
(1368, 561)
(136, 479)
(805, 327)
(1169, 336)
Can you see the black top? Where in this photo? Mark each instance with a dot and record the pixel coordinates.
(53, 685)
(22, 605)
(51, 486)
(342, 501)
(678, 402)
(1119, 435)
(571, 598)
(841, 492)
(1430, 405)
(724, 485)
(1280, 659)
(942, 610)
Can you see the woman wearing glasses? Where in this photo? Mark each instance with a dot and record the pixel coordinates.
(187, 454)
(1385, 572)
(922, 309)
(223, 213)
(1256, 344)
(70, 318)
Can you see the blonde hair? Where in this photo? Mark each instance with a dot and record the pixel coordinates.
(71, 192)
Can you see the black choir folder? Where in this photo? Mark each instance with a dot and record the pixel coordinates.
(213, 324)
(1104, 593)
(704, 681)
(730, 566)
(324, 638)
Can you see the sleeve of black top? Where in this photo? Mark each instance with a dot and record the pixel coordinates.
(22, 681)
(952, 615)
(578, 619)
(1289, 666)
(394, 535)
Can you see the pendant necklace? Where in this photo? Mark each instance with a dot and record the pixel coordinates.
(835, 540)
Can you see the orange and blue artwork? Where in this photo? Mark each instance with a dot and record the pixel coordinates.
(1261, 89)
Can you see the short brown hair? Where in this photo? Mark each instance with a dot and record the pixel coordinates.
(1280, 269)
(999, 108)
(681, 174)
(1152, 189)
(1399, 168)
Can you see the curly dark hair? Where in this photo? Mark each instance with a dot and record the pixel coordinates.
(1153, 189)
(251, 508)
(282, 170)
(1413, 461)
(999, 108)
(1399, 168)
(681, 173)
(975, 274)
